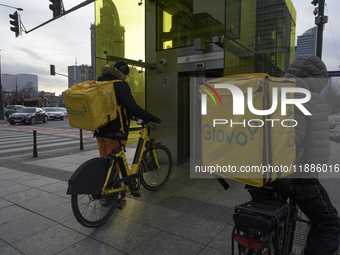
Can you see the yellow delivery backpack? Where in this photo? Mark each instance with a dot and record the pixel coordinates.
(255, 149)
(91, 104)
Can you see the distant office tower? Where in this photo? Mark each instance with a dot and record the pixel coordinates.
(20, 84)
(306, 43)
(80, 73)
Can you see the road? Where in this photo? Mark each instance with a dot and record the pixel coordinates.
(51, 136)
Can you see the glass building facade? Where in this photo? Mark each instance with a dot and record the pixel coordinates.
(258, 36)
(119, 31)
(183, 40)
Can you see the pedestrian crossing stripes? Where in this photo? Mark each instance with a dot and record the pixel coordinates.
(17, 141)
(43, 130)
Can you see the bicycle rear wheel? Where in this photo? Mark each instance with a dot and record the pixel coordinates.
(92, 210)
(154, 179)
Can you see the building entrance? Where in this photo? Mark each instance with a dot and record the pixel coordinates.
(171, 97)
(188, 97)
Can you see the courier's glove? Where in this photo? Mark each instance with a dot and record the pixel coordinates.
(156, 120)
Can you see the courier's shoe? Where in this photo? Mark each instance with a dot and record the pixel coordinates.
(121, 203)
(108, 200)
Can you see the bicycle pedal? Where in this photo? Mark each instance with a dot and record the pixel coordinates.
(121, 203)
(135, 194)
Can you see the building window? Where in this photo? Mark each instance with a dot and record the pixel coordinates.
(180, 22)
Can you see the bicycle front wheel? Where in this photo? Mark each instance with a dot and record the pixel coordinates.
(154, 179)
(92, 210)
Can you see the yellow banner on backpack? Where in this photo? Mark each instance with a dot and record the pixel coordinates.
(240, 140)
(91, 104)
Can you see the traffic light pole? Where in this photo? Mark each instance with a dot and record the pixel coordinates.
(53, 72)
(67, 77)
(19, 9)
(63, 14)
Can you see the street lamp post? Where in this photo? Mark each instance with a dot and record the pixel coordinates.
(320, 21)
(2, 111)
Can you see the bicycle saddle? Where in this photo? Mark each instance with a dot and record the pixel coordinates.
(116, 136)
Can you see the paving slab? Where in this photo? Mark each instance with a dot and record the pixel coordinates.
(167, 243)
(125, 234)
(49, 241)
(89, 246)
(26, 225)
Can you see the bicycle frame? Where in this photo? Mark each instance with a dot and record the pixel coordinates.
(119, 157)
(97, 188)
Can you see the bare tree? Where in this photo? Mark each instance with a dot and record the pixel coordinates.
(29, 91)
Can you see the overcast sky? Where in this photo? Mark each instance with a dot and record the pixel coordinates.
(67, 40)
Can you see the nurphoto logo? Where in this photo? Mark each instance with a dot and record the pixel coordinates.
(238, 99)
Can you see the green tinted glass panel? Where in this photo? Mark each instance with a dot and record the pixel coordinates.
(233, 18)
(261, 39)
(179, 22)
(119, 31)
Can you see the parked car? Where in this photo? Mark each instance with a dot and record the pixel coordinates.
(10, 109)
(28, 115)
(63, 110)
(332, 123)
(54, 113)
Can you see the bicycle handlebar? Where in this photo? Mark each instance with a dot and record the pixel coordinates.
(143, 122)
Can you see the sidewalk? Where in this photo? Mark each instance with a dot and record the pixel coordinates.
(187, 216)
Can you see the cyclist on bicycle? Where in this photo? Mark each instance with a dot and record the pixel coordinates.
(120, 71)
(312, 146)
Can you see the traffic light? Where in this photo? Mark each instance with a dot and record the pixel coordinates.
(16, 23)
(52, 69)
(55, 7)
(315, 2)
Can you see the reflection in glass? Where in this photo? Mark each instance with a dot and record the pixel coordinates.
(109, 32)
(258, 34)
(262, 39)
(117, 34)
(180, 22)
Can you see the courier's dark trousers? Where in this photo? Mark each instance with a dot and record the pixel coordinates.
(314, 202)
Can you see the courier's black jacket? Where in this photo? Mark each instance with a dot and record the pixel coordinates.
(124, 98)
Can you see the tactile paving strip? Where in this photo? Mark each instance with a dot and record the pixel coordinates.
(214, 212)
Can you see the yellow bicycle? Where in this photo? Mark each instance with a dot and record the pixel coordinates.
(96, 187)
